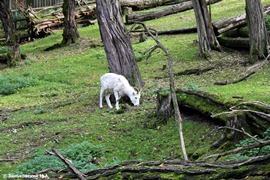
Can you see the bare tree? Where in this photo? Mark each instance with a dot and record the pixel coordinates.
(12, 40)
(70, 33)
(120, 54)
(258, 38)
(206, 35)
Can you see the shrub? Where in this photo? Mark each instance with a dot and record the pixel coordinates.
(80, 155)
(11, 84)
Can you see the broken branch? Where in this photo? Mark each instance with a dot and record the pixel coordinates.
(69, 165)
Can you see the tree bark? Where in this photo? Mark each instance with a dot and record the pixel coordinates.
(145, 4)
(10, 32)
(206, 35)
(258, 38)
(70, 33)
(117, 45)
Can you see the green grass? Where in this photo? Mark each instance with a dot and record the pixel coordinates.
(56, 103)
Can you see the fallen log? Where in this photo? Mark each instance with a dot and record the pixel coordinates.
(178, 31)
(144, 16)
(239, 43)
(146, 4)
(254, 167)
(227, 24)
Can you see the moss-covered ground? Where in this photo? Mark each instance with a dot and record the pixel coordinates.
(56, 101)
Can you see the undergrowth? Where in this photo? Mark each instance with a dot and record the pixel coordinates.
(10, 84)
(245, 154)
(53, 95)
(81, 155)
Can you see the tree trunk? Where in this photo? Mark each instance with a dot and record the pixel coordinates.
(10, 32)
(70, 33)
(206, 35)
(117, 44)
(258, 37)
(144, 16)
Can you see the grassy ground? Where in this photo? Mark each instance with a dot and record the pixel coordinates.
(56, 102)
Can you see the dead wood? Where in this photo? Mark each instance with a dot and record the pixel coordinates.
(253, 104)
(190, 170)
(196, 71)
(233, 112)
(239, 149)
(235, 81)
(238, 43)
(145, 4)
(204, 95)
(227, 24)
(258, 65)
(177, 114)
(144, 16)
(70, 166)
(178, 31)
(164, 108)
(242, 131)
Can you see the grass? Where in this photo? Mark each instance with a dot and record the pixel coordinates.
(61, 107)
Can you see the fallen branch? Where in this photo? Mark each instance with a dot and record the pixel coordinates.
(258, 65)
(260, 114)
(241, 131)
(178, 31)
(256, 104)
(196, 71)
(69, 165)
(236, 150)
(235, 81)
(177, 114)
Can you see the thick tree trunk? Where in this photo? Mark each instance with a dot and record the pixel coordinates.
(206, 35)
(70, 33)
(144, 16)
(258, 37)
(117, 44)
(10, 32)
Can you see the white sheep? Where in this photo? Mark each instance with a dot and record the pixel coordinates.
(118, 85)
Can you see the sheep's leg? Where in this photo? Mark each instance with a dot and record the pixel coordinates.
(116, 99)
(107, 97)
(101, 97)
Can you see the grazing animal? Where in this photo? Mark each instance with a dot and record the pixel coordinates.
(118, 85)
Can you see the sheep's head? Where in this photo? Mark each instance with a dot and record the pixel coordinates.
(135, 97)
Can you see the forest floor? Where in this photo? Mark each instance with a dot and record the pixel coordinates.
(50, 100)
